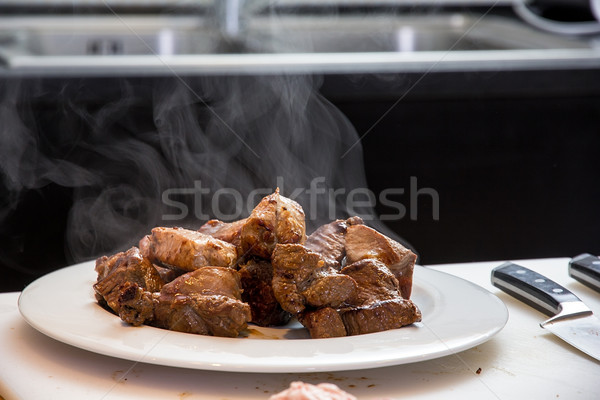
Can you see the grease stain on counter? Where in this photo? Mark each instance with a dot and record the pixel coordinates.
(117, 375)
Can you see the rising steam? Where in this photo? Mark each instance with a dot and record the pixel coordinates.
(220, 133)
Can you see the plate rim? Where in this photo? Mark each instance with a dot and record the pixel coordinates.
(282, 364)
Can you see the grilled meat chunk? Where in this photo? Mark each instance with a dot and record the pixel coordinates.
(144, 246)
(218, 281)
(329, 241)
(276, 219)
(380, 316)
(206, 301)
(323, 323)
(136, 305)
(123, 267)
(378, 306)
(301, 278)
(229, 232)
(189, 250)
(167, 274)
(203, 315)
(363, 242)
(375, 282)
(257, 277)
(291, 225)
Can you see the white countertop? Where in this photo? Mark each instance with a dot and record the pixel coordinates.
(521, 362)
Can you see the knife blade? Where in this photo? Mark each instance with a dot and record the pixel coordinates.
(586, 269)
(571, 320)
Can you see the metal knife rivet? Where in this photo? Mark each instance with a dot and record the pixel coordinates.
(557, 290)
(596, 262)
(540, 280)
(521, 271)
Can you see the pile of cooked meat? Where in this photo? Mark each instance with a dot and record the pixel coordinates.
(344, 279)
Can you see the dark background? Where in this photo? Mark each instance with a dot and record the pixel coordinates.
(513, 157)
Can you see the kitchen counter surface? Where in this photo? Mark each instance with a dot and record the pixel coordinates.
(521, 362)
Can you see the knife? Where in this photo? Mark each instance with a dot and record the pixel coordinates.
(572, 320)
(586, 269)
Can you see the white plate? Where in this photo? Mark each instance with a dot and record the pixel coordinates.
(457, 315)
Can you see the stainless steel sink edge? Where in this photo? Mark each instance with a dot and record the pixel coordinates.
(167, 45)
(322, 63)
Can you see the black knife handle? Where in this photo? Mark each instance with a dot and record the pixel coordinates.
(531, 287)
(586, 269)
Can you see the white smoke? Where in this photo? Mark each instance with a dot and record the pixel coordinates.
(121, 151)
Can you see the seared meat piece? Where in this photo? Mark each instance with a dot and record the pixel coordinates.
(291, 225)
(229, 232)
(301, 278)
(123, 267)
(323, 323)
(206, 301)
(220, 281)
(329, 241)
(189, 250)
(144, 246)
(363, 242)
(105, 264)
(375, 281)
(276, 219)
(380, 316)
(203, 315)
(136, 305)
(378, 305)
(257, 277)
(167, 274)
